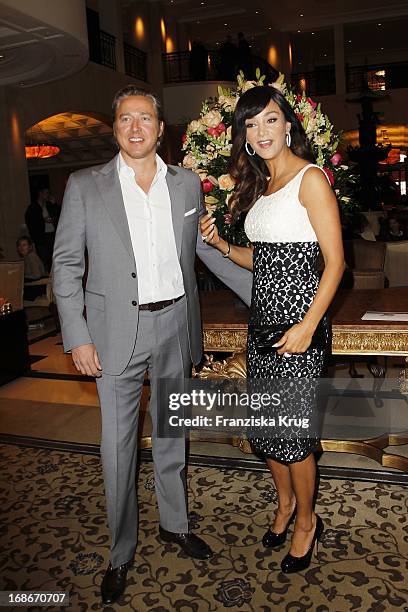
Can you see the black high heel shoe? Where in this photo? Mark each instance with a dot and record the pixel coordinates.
(291, 564)
(272, 539)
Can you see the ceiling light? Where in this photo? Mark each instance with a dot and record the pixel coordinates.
(382, 48)
(312, 32)
(37, 146)
(380, 24)
(270, 28)
(225, 24)
(349, 41)
(256, 12)
(298, 31)
(301, 15)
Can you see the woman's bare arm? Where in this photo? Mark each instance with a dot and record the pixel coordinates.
(320, 202)
(242, 256)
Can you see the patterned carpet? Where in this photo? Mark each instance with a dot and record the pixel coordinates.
(54, 537)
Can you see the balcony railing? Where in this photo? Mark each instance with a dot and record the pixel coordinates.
(319, 82)
(135, 62)
(108, 54)
(377, 77)
(185, 66)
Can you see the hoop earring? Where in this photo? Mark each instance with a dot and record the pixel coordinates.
(247, 150)
(288, 139)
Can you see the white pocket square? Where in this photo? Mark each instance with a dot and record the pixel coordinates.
(190, 212)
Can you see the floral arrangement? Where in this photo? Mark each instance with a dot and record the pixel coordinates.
(207, 145)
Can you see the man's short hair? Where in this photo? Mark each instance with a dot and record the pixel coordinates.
(133, 90)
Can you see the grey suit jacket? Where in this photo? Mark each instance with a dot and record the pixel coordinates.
(93, 217)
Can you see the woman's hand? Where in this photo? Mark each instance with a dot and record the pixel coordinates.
(209, 230)
(296, 340)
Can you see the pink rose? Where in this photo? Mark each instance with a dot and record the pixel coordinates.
(329, 175)
(312, 104)
(227, 218)
(220, 128)
(298, 98)
(212, 131)
(184, 138)
(336, 159)
(300, 116)
(207, 185)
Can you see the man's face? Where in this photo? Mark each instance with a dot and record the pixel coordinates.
(136, 127)
(24, 248)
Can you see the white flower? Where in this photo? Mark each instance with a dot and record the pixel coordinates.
(227, 102)
(226, 182)
(248, 85)
(322, 139)
(190, 161)
(195, 126)
(311, 126)
(212, 118)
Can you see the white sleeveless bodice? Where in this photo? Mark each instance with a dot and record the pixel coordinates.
(280, 217)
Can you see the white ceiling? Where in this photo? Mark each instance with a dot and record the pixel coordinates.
(33, 52)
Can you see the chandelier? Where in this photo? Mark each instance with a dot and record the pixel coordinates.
(37, 146)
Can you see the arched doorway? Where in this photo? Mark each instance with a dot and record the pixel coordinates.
(84, 139)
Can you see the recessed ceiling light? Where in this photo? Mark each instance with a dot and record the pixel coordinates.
(301, 15)
(300, 63)
(380, 24)
(256, 12)
(382, 48)
(349, 41)
(312, 32)
(298, 31)
(325, 55)
(225, 24)
(197, 22)
(270, 28)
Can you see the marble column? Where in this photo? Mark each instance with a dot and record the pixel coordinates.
(15, 191)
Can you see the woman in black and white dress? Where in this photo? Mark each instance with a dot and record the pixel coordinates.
(292, 216)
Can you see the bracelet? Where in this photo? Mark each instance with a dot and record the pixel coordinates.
(228, 252)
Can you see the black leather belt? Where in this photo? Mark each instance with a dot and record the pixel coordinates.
(152, 306)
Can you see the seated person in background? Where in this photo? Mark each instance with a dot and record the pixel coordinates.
(364, 230)
(33, 267)
(391, 230)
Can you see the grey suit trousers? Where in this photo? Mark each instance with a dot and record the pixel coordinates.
(162, 349)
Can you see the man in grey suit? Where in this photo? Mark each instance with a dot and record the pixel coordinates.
(138, 220)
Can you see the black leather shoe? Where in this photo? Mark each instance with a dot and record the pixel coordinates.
(291, 564)
(114, 582)
(272, 539)
(191, 544)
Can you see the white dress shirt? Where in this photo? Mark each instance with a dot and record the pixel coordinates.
(151, 230)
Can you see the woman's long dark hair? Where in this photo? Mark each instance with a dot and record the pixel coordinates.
(250, 173)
